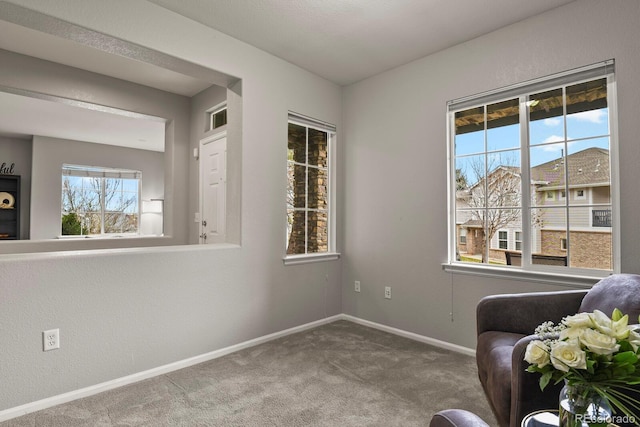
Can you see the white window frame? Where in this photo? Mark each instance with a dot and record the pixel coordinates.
(105, 173)
(462, 238)
(516, 240)
(579, 197)
(332, 253)
(529, 271)
(211, 113)
(505, 240)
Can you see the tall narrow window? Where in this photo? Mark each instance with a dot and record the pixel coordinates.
(503, 242)
(100, 201)
(516, 157)
(309, 195)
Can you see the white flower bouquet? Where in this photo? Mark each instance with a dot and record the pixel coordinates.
(593, 350)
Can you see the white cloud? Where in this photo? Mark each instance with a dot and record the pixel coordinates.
(556, 147)
(553, 121)
(552, 138)
(593, 116)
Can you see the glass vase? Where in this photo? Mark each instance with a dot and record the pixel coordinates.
(581, 406)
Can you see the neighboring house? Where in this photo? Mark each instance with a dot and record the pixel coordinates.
(588, 196)
(588, 213)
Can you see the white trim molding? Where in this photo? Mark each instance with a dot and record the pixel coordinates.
(412, 336)
(49, 402)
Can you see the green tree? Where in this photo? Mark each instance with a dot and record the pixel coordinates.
(71, 225)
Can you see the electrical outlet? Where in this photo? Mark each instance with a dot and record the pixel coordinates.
(51, 339)
(356, 285)
(387, 292)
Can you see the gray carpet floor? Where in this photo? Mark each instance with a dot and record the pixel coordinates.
(339, 374)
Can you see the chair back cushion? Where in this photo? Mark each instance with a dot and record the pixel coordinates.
(620, 291)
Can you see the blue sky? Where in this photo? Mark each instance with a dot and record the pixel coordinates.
(584, 130)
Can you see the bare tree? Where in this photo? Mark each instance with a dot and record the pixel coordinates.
(495, 200)
(96, 209)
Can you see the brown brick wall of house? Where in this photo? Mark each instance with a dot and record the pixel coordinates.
(474, 244)
(588, 250)
(497, 255)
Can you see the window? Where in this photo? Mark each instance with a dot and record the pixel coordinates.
(503, 242)
(99, 201)
(217, 116)
(309, 191)
(563, 244)
(463, 236)
(514, 149)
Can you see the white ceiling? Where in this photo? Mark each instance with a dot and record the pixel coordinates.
(346, 41)
(343, 41)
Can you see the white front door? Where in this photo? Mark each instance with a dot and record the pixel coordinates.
(213, 185)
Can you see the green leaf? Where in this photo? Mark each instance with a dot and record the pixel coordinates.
(626, 357)
(544, 379)
(616, 315)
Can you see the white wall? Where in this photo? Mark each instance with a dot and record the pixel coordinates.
(50, 154)
(125, 311)
(395, 232)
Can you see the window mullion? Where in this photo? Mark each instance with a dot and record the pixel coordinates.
(487, 240)
(102, 203)
(566, 175)
(306, 193)
(525, 185)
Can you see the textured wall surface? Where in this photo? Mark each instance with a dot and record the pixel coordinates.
(125, 311)
(396, 230)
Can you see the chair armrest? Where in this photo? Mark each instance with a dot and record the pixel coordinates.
(526, 396)
(456, 418)
(522, 313)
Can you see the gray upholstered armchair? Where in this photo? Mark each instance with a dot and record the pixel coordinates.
(505, 324)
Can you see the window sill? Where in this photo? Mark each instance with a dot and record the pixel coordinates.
(306, 259)
(552, 278)
(110, 236)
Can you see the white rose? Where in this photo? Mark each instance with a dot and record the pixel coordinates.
(568, 354)
(634, 338)
(572, 333)
(537, 353)
(580, 320)
(598, 342)
(620, 329)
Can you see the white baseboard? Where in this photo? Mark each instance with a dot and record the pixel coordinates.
(416, 337)
(49, 402)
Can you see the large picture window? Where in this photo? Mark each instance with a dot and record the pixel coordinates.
(309, 194)
(99, 201)
(515, 156)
